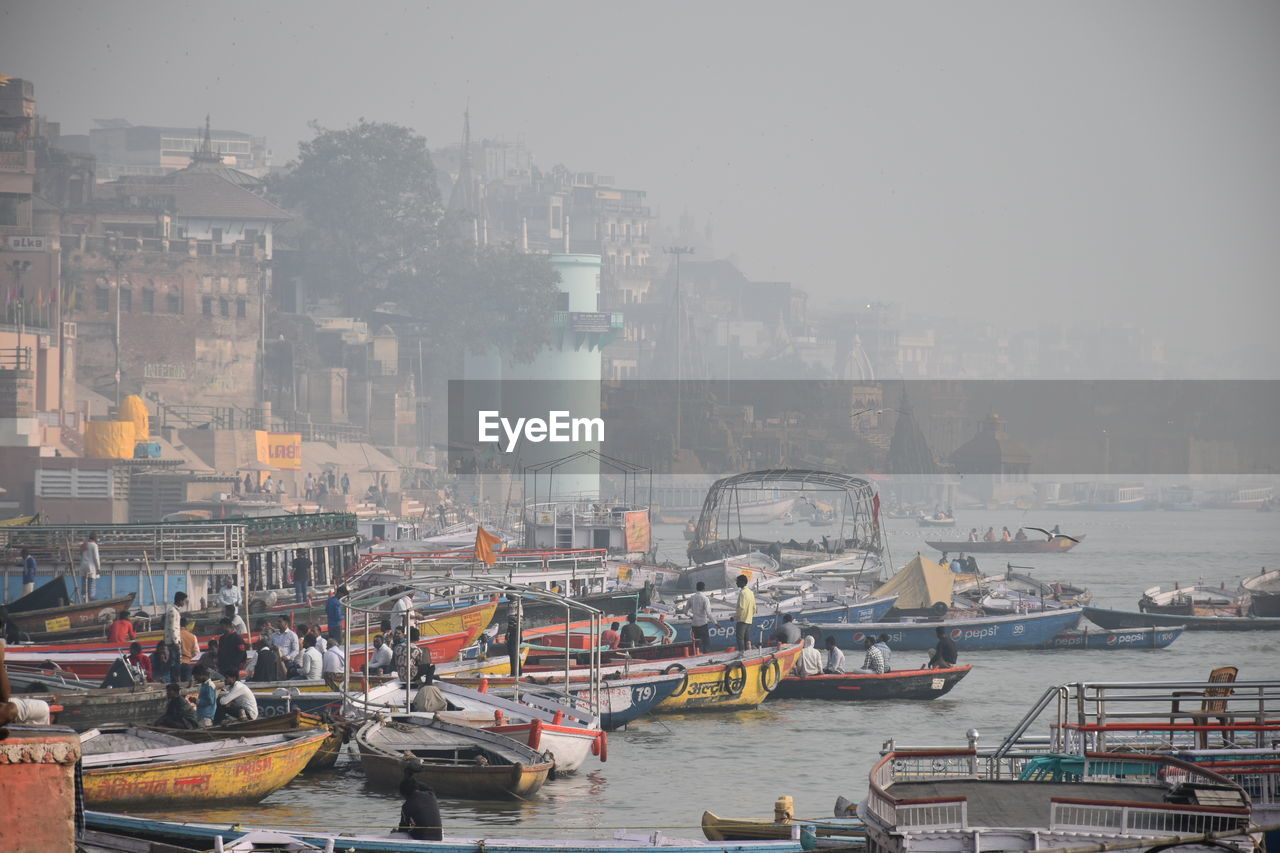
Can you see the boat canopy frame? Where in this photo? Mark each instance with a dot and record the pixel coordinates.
(859, 503)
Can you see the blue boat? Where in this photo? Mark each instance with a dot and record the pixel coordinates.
(763, 626)
(203, 836)
(1128, 638)
(1116, 619)
(1024, 631)
(645, 692)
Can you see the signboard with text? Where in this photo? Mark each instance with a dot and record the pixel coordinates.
(280, 449)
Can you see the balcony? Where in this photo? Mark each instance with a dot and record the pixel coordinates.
(597, 322)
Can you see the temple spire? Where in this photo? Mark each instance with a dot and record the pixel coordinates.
(205, 152)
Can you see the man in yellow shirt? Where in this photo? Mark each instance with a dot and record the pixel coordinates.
(746, 613)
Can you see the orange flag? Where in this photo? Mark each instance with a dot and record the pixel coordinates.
(484, 546)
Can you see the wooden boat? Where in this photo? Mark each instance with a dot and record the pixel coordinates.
(621, 699)
(857, 687)
(1056, 545)
(85, 709)
(1026, 631)
(717, 828)
(1197, 600)
(130, 767)
(59, 619)
(1133, 619)
(456, 761)
(762, 627)
(326, 756)
(1003, 602)
(718, 681)
(559, 731)
(1263, 590)
(205, 836)
(932, 521)
(1124, 638)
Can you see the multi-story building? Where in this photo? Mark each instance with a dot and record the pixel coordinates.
(124, 150)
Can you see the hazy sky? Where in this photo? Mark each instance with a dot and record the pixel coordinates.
(1012, 160)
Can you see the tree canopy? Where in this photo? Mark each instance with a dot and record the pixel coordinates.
(375, 230)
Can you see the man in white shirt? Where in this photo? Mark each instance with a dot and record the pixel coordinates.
(238, 698)
(90, 565)
(835, 657)
(700, 619)
(335, 662)
(173, 638)
(312, 660)
(285, 642)
(229, 595)
(380, 661)
(403, 605)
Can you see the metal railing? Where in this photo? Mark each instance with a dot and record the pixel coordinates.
(1090, 816)
(15, 358)
(199, 541)
(585, 562)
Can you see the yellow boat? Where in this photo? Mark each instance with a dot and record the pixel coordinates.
(134, 768)
(473, 619)
(723, 681)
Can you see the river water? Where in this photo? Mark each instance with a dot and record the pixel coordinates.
(664, 771)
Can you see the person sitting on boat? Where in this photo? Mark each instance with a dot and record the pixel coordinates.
(140, 662)
(233, 651)
(430, 698)
(971, 564)
(267, 666)
(956, 566)
(160, 662)
(1020, 536)
(285, 642)
(944, 655)
(882, 643)
(311, 661)
(609, 638)
(835, 658)
(237, 698)
(406, 658)
(990, 535)
(420, 813)
(632, 634)
(1004, 535)
(788, 632)
(873, 658)
(206, 696)
(973, 534)
(178, 712)
(810, 660)
(18, 709)
(121, 630)
(379, 662)
(335, 662)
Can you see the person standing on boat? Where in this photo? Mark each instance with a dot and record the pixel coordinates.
(28, 572)
(835, 657)
(420, 813)
(312, 660)
(173, 636)
(90, 565)
(237, 698)
(333, 609)
(335, 662)
(301, 576)
(233, 652)
(945, 654)
(699, 619)
(744, 615)
(229, 595)
(190, 649)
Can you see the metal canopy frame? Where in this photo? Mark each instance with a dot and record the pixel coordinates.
(455, 589)
(859, 513)
(631, 474)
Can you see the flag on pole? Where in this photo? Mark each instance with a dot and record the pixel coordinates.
(484, 546)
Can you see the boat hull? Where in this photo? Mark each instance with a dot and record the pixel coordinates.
(854, 687)
(763, 626)
(71, 618)
(1111, 640)
(1114, 619)
(1027, 631)
(87, 709)
(247, 776)
(1028, 546)
(326, 756)
(731, 684)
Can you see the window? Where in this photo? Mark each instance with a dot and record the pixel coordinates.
(148, 300)
(562, 301)
(126, 299)
(224, 307)
(206, 305)
(100, 298)
(173, 302)
(217, 235)
(242, 307)
(251, 235)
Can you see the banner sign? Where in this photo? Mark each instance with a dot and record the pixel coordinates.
(280, 449)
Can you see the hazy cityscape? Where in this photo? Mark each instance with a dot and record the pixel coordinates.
(360, 366)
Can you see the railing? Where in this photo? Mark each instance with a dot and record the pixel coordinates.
(1146, 819)
(15, 358)
(407, 564)
(272, 529)
(585, 514)
(216, 417)
(324, 432)
(134, 543)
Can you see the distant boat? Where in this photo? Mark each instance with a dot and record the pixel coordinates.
(1198, 600)
(855, 687)
(1134, 619)
(934, 521)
